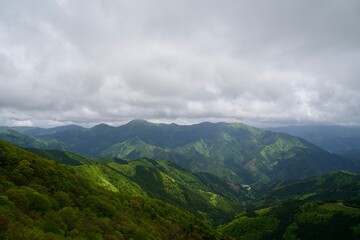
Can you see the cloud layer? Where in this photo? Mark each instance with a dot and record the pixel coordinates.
(111, 61)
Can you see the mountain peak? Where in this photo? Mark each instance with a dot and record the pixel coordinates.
(101, 126)
(68, 127)
(139, 121)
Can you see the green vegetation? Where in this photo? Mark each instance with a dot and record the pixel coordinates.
(203, 194)
(111, 198)
(295, 219)
(313, 208)
(41, 199)
(251, 228)
(342, 140)
(235, 152)
(336, 186)
(131, 192)
(68, 158)
(28, 141)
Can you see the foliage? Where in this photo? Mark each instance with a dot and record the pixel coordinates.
(335, 186)
(47, 200)
(202, 194)
(254, 228)
(342, 140)
(64, 157)
(315, 208)
(297, 220)
(235, 152)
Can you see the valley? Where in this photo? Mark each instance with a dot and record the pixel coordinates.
(235, 152)
(200, 171)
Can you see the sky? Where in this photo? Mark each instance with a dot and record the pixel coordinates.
(109, 61)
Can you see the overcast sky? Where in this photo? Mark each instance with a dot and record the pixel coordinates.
(258, 62)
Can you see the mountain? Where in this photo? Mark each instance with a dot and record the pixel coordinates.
(203, 194)
(234, 152)
(42, 199)
(200, 193)
(325, 207)
(297, 219)
(35, 131)
(340, 185)
(111, 198)
(26, 141)
(342, 140)
(64, 157)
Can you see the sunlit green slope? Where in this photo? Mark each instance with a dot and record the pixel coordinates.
(41, 199)
(202, 194)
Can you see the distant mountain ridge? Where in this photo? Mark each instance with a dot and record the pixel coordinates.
(35, 131)
(342, 140)
(233, 151)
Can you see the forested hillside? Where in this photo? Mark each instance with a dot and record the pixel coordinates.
(235, 152)
(41, 199)
(326, 207)
(342, 140)
(110, 198)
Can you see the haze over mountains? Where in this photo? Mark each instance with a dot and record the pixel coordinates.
(342, 140)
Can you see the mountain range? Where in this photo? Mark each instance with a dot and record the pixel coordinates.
(68, 196)
(166, 181)
(342, 140)
(232, 151)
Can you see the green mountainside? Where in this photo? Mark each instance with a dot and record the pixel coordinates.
(64, 157)
(325, 207)
(341, 185)
(203, 194)
(342, 140)
(235, 152)
(26, 141)
(41, 199)
(297, 219)
(110, 198)
(35, 131)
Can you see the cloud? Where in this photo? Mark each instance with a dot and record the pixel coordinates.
(111, 61)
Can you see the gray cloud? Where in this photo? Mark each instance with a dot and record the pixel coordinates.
(110, 61)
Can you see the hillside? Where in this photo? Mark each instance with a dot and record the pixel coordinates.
(342, 140)
(341, 185)
(26, 141)
(235, 152)
(203, 194)
(64, 157)
(325, 207)
(41, 199)
(297, 219)
(110, 198)
(35, 131)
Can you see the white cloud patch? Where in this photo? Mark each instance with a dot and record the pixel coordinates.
(111, 61)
